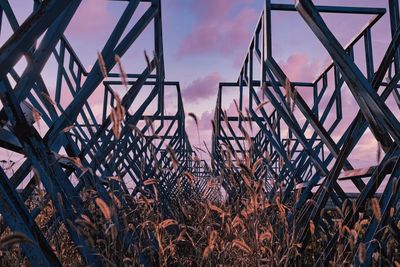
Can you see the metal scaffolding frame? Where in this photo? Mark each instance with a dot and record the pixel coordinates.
(149, 140)
(293, 136)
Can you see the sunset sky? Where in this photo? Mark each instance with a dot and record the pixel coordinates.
(205, 42)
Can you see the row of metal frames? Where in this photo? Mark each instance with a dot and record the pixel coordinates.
(305, 133)
(74, 146)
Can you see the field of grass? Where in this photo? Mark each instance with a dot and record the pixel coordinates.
(250, 231)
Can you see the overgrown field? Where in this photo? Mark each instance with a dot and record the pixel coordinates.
(250, 231)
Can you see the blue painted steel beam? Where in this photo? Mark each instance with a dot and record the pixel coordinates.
(295, 161)
(17, 217)
(87, 139)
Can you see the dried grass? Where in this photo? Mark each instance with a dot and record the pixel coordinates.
(250, 230)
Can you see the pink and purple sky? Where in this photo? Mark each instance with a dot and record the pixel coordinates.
(205, 42)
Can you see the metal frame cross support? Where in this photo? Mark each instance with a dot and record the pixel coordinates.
(79, 149)
(295, 122)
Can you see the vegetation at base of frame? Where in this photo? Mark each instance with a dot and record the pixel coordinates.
(250, 231)
(193, 230)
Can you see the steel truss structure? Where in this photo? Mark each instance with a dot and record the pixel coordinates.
(293, 135)
(79, 149)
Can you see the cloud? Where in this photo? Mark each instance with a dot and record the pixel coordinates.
(300, 67)
(92, 20)
(212, 8)
(217, 30)
(202, 88)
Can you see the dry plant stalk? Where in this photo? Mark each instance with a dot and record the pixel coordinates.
(376, 209)
(241, 245)
(123, 75)
(250, 231)
(175, 162)
(362, 253)
(261, 105)
(102, 64)
(12, 240)
(48, 98)
(105, 209)
(117, 116)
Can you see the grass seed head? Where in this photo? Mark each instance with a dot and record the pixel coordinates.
(102, 65)
(104, 208)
